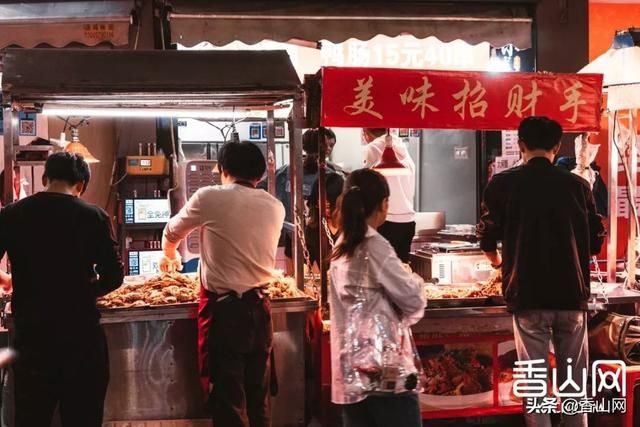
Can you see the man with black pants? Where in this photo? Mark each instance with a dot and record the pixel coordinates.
(239, 228)
(63, 256)
(400, 226)
(546, 219)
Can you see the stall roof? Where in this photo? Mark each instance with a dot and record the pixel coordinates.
(58, 24)
(148, 78)
(195, 21)
(621, 70)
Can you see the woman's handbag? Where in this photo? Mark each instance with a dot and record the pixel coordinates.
(379, 354)
(615, 336)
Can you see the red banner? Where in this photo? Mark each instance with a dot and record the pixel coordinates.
(396, 98)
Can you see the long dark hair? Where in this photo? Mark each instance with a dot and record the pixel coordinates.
(364, 191)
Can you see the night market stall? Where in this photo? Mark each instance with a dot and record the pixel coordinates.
(465, 339)
(150, 322)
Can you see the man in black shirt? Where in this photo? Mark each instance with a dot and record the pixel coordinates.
(547, 222)
(62, 257)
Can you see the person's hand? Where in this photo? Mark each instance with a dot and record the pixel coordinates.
(6, 282)
(496, 275)
(169, 264)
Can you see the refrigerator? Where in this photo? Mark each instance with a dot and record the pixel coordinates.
(447, 173)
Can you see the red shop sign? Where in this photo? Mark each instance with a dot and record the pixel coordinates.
(386, 97)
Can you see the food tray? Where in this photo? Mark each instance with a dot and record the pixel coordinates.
(457, 302)
(187, 304)
(497, 300)
(146, 307)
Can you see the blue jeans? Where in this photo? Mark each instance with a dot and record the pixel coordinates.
(383, 411)
(533, 330)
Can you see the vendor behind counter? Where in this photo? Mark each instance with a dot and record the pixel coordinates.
(309, 177)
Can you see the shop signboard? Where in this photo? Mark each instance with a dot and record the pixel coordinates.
(383, 97)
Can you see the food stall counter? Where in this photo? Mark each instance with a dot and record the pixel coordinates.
(190, 311)
(153, 352)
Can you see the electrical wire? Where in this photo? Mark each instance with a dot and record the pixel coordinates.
(112, 184)
(120, 180)
(632, 203)
(135, 43)
(66, 122)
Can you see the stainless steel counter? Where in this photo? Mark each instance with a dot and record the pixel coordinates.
(496, 320)
(154, 371)
(154, 366)
(190, 311)
(615, 294)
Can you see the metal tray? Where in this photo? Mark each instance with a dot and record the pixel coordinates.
(457, 302)
(497, 300)
(187, 304)
(146, 307)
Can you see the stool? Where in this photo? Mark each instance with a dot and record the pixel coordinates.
(632, 374)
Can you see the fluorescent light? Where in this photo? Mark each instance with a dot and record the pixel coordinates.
(221, 114)
(141, 112)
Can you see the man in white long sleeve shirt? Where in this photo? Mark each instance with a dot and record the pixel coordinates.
(400, 226)
(239, 232)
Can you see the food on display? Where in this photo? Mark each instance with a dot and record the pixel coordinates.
(449, 292)
(166, 288)
(283, 287)
(458, 372)
(490, 288)
(175, 288)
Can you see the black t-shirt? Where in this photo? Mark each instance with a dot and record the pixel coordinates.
(56, 244)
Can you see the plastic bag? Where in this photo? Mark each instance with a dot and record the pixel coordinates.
(379, 354)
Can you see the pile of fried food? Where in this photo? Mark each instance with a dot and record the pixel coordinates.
(283, 287)
(492, 287)
(166, 288)
(458, 372)
(174, 288)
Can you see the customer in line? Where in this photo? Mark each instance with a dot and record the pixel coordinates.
(334, 182)
(546, 219)
(311, 153)
(363, 208)
(400, 225)
(240, 227)
(63, 256)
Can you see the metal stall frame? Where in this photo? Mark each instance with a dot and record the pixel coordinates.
(166, 83)
(162, 83)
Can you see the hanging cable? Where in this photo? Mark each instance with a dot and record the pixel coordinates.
(632, 203)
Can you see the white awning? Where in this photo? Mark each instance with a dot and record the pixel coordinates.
(621, 70)
(220, 23)
(59, 24)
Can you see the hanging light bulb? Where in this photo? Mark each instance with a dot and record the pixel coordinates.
(389, 165)
(75, 146)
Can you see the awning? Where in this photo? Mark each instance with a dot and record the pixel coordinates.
(621, 70)
(58, 24)
(195, 21)
(84, 78)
